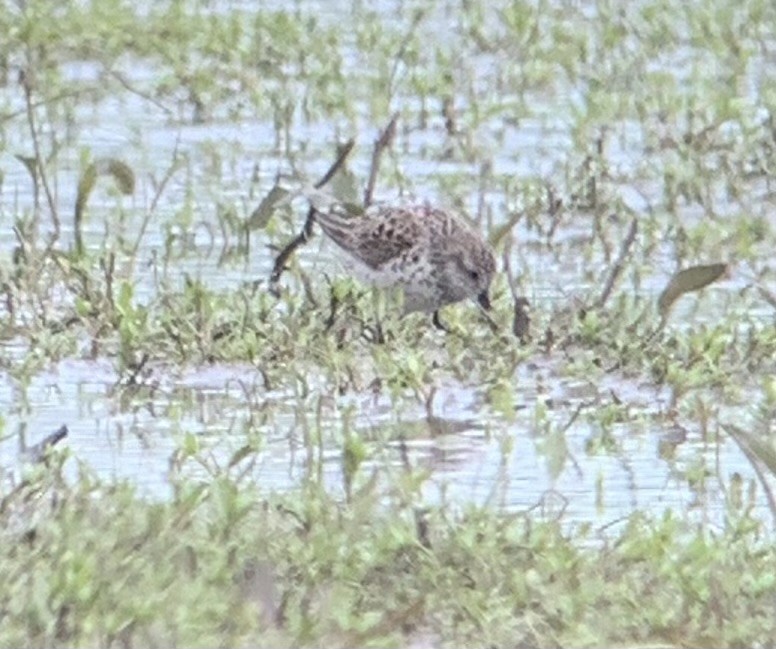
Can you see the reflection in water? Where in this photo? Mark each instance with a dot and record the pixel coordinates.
(552, 455)
(469, 457)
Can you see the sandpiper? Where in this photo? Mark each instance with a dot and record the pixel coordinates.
(432, 254)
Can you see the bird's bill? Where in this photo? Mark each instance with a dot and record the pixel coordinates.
(483, 300)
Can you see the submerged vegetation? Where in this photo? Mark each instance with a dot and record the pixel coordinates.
(154, 163)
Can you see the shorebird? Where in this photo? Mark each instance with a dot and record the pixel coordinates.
(434, 256)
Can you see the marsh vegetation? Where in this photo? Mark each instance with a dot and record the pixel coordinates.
(246, 462)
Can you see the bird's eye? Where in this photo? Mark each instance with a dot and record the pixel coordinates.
(474, 275)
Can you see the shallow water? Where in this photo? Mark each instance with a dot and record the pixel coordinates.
(471, 453)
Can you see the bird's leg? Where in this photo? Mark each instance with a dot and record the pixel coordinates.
(438, 323)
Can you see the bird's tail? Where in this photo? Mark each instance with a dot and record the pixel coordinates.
(336, 222)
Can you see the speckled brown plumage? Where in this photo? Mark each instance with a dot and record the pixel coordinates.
(432, 254)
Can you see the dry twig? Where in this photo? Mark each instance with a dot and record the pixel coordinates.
(619, 263)
(307, 228)
(26, 83)
(382, 143)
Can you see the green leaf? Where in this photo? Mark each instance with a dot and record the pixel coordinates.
(686, 281)
(240, 454)
(758, 445)
(124, 300)
(30, 164)
(501, 232)
(262, 214)
(121, 173)
(501, 396)
(353, 454)
(190, 445)
(83, 307)
(345, 188)
(555, 448)
(85, 186)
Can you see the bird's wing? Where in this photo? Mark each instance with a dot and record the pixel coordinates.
(373, 240)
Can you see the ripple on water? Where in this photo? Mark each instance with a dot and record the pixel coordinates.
(470, 453)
